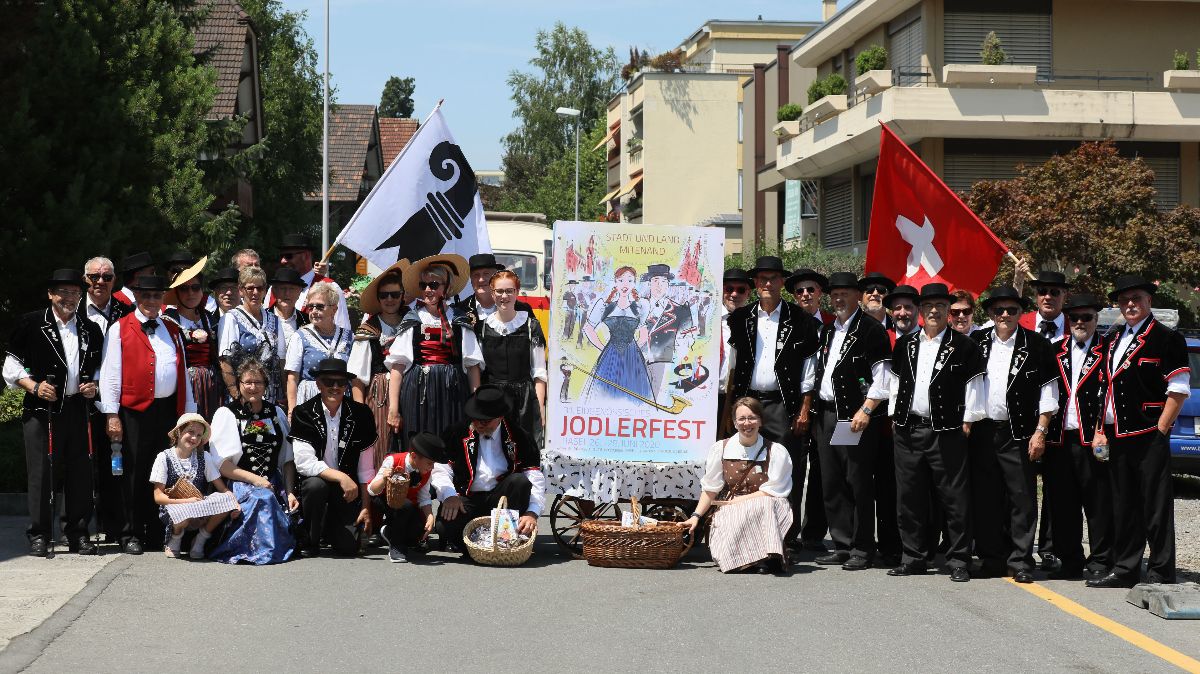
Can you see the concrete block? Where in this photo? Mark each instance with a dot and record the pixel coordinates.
(1173, 602)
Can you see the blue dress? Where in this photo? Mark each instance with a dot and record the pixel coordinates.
(621, 362)
(242, 337)
(256, 442)
(306, 349)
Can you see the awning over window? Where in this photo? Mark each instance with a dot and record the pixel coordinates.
(611, 132)
(631, 185)
(610, 196)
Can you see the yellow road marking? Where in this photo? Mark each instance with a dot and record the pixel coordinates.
(1184, 662)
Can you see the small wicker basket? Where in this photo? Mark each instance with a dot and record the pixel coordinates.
(183, 488)
(396, 489)
(607, 543)
(495, 555)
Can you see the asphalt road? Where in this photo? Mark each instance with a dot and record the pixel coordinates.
(153, 614)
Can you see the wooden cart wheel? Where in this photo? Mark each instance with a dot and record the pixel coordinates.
(568, 512)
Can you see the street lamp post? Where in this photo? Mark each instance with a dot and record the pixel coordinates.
(572, 112)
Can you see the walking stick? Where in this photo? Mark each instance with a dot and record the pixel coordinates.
(50, 379)
(87, 417)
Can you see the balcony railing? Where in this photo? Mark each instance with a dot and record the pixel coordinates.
(635, 159)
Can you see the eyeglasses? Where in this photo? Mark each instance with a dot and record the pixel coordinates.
(1081, 318)
(315, 306)
(1007, 309)
(193, 288)
(390, 295)
(737, 290)
(430, 285)
(745, 420)
(805, 290)
(253, 382)
(961, 312)
(96, 278)
(288, 256)
(504, 291)
(332, 383)
(768, 278)
(1052, 292)
(875, 290)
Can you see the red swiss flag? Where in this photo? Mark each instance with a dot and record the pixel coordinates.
(921, 231)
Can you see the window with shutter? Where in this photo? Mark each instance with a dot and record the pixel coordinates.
(837, 220)
(1024, 37)
(907, 47)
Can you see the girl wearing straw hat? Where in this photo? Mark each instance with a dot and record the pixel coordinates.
(183, 460)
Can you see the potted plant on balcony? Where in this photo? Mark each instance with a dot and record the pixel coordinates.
(991, 70)
(788, 116)
(871, 67)
(826, 97)
(633, 207)
(634, 144)
(1179, 77)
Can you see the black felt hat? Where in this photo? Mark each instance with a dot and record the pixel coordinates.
(149, 282)
(135, 262)
(935, 291)
(484, 261)
(330, 367)
(487, 403)
(876, 278)
(663, 270)
(429, 446)
(66, 277)
(287, 276)
(1083, 300)
(1005, 293)
(736, 275)
(1046, 277)
(181, 258)
(1131, 282)
(226, 275)
(807, 275)
(767, 263)
(901, 291)
(296, 242)
(843, 279)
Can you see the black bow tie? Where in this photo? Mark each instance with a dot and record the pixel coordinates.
(150, 326)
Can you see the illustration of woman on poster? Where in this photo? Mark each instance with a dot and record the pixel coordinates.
(621, 361)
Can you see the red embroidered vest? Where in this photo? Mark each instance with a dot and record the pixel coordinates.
(137, 365)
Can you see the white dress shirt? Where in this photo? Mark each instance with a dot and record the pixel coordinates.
(307, 463)
(995, 382)
(927, 351)
(95, 314)
(359, 363)
(725, 348)
(424, 496)
(880, 372)
(1060, 326)
(1180, 383)
(779, 468)
(492, 464)
(288, 325)
(765, 350)
(1078, 354)
(401, 353)
(165, 383)
(537, 354)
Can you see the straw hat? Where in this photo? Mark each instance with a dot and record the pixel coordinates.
(172, 296)
(368, 301)
(459, 273)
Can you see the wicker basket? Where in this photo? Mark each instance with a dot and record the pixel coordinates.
(495, 555)
(607, 543)
(182, 489)
(396, 490)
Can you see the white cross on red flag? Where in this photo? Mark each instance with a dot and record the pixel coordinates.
(921, 232)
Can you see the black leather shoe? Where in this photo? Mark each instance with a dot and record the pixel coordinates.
(132, 547)
(909, 569)
(1067, 573)
(833, 558)
(856, 563)
(1112, 580)
(1050, 562)
(960, 574)
(37, 547)
(1023, 576)
(309, 552)
(82, 546)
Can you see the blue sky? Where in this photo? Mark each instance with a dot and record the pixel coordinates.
(463, 50)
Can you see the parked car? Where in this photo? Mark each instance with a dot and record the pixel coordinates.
(1185, 436)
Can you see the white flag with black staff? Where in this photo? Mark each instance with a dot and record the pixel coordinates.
(426, 203)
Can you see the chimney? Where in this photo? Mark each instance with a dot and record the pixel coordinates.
(828, 9)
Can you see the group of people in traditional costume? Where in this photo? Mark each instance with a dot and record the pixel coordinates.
(892, 424)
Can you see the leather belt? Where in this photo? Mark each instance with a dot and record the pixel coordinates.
(917, 421)
(766, 396)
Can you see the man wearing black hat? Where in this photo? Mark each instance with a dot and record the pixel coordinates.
(331, 435)
(933, 370)
(132, 267)
(666, 321)
(143, 390)
(1081, 481)
(853, 372)
(54, 355)
(408, 525)
(901, 304)
(296, 252)
(1011, 423)
(735, 293)
(875, 288)
(487, 459)
(224, 290)
(773, 350)
(1050, 289)
(286, 285)
(808, 286)
(1148, 381)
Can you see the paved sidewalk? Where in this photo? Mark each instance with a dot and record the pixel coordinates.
(32, 589)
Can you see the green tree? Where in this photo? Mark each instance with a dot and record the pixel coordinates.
(554, 195)
(397, 99)
(568, 72)
(100, 135)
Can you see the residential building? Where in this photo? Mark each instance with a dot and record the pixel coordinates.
(355, 162)
(394, 134)
(1076, 70)
(674, 137)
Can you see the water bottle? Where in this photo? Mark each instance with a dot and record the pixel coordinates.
(1100, 452)
(118, 462)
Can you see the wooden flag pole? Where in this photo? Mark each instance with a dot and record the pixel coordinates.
(1028, 272)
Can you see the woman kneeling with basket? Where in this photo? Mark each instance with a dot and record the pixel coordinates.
(747, 479)
(401, 491)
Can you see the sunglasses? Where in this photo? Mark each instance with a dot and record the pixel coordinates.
(960, 312)
(875, 290)
(193, 288)
(737, 290)
(1081, 318)
(252, 289)
(316, 306)
(96, 278)
(805, 290)
(288, 256)
(1052, 292)
(390, 295)
(1007, 310)
(332, 383)
(430, 285)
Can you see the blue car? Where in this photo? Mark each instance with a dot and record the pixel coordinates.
(1185, 436)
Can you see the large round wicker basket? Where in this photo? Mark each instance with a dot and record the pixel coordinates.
(607, 543)
(495, 555)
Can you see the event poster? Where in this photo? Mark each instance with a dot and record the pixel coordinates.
(634, 341)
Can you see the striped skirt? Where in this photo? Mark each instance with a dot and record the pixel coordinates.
(749, 531)
(205, 391)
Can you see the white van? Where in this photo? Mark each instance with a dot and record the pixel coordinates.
(523, 243)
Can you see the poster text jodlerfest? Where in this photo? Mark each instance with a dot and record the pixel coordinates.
(634, 341)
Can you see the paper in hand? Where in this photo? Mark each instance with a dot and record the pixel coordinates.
(842, 435)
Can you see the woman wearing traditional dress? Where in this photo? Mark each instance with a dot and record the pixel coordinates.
(250, 440)
(383, 303)
(318, 340)
(750, 478)
(250, 331)
(198, 326)
(514, 356)
(435, 359)
(620, 375)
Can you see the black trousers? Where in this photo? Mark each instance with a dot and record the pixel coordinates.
(848, 484)
(1082, 484)
(1142, 504)
(326, 516)
(145, 435)
(932, 460)
(887, 529)
(72, 468)
(110, 513)
(405, 525)
(515, 486)
(1003, 495)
